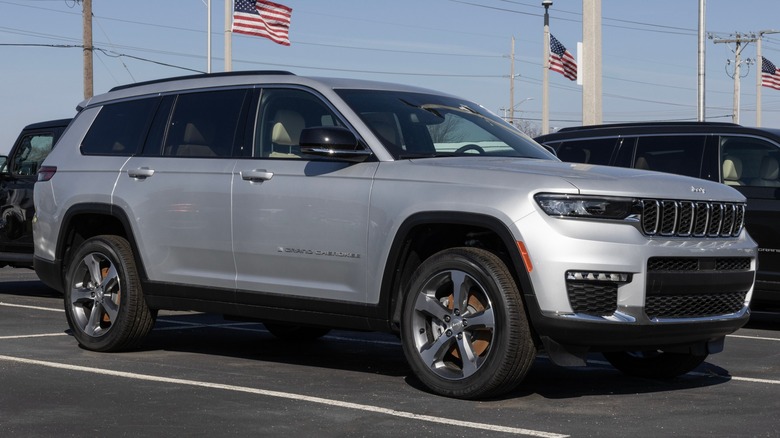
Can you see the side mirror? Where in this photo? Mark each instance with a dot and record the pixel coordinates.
(333, 142)
(3, 164)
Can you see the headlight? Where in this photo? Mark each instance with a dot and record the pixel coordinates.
(585, 206)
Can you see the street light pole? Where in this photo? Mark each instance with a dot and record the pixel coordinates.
(546, 69)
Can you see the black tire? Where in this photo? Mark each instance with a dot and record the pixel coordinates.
(104, 303)
(654, 364)
(488, 324)
(294, 332)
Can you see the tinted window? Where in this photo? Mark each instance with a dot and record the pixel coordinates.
(120, 128)
(593, 151)
(748, 161)
(425, 125)
(680, 154)
(283, 114)
(33, 149)
(206, 124)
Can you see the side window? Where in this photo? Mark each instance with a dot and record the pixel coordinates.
(119, 128)
(206, 124)
(749, 161)
(29, 156)
(593, 151)
(680, 154)
(282, 115)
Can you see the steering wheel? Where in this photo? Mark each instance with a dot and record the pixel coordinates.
(470, 147)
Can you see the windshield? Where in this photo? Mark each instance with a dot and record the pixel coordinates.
(414, 125)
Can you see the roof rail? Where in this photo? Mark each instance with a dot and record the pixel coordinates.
(635, 124)
(203, 75)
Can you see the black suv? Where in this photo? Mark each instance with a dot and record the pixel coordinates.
(744, 158)
(18, 172)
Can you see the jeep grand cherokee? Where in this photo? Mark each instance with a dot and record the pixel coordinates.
(311, 203)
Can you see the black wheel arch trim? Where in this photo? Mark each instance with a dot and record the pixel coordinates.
(66, 235)
(390, 289)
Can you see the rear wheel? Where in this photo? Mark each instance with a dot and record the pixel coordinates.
(464, 329)
(654, 363)
(104, 303)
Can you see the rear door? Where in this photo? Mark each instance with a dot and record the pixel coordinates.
(178, 191)
(750, 165)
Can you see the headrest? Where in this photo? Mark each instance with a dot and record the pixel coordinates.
(732, 168)
(288, 127)
(769, 168)
(192, 135)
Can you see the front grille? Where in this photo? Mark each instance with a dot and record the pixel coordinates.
(691, 219)
(696, 287)
(592, 298)
(694, 306)
(682, 264)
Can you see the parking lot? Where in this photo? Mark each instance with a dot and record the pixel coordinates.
(200, 375)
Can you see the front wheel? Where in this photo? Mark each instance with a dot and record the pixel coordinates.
(654, 363)
(104, 303)
(464, 329)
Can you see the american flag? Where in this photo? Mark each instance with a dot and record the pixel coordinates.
(561, 60)
(770, 75)
(262, 18)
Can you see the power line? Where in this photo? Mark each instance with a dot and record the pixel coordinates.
(109, 53)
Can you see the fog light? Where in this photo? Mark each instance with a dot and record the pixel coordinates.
(614, 277)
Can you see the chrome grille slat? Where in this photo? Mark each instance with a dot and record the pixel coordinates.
(676, 218)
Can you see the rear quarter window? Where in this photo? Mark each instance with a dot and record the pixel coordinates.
(119, 128)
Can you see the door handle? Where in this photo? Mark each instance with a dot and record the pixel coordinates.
(256, 175)
(140, 173)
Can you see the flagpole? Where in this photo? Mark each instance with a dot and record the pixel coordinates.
(759, 64)
(759, 67)
(208, 36)
(546, 69)
(228, 35)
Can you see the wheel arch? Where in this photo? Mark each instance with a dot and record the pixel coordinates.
(83, 221)
(424, 234)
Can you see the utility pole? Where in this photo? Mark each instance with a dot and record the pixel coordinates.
(759, 64)
(700, 84)
(228, 35)
(88, 48)
(512, 83)
(740, 42)
(591, 62)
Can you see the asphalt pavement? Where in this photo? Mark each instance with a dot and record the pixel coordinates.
(198, 375)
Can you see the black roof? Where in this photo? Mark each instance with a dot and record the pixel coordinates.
(58, 123)
(638, 128)
(641, 124)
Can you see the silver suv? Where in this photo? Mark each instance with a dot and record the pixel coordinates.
(310, 203)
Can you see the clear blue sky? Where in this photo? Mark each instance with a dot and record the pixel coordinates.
(456, 46)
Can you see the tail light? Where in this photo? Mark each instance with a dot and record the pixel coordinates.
(45, 173)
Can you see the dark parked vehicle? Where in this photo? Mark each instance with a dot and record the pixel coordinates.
(742, 157)
(18, 172)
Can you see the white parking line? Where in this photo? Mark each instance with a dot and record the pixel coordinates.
(291, 396)
(43, 335)
(48, 309)
(759, 338)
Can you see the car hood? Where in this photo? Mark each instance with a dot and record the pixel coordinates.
(587, 178)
